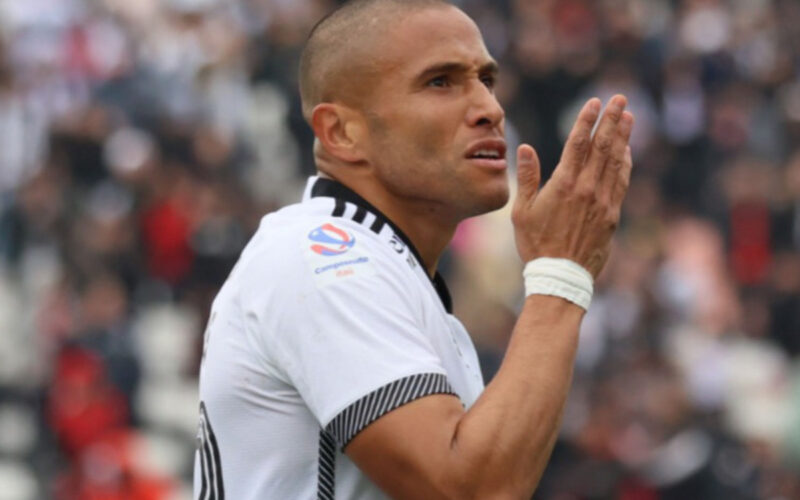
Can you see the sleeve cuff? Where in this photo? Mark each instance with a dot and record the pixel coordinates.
(356, 417)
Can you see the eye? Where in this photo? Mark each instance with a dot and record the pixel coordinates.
(439, 81)
(489, 80)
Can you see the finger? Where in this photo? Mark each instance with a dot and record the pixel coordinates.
(528, 173)
(580, 139)
(615, 162)
(623, 180)
(604, 138)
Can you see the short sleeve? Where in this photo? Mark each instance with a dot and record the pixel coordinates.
(355, 349)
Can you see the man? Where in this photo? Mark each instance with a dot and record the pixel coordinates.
(332, 366)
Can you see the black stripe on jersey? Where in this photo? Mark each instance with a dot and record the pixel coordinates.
(381, 401)
(377, 225)
(361, 214)
(326, 471)
(338, 210)
(202, 451)
(211, 464)
(205, 458)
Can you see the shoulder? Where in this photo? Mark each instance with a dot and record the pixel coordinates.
(305, 246)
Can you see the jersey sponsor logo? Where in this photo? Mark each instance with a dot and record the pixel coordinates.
(333, 256)
(327, 272)
(345, 263)
(330, 240)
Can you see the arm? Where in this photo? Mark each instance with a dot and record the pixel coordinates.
(432, 448)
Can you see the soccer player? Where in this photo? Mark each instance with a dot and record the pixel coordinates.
(332, 366)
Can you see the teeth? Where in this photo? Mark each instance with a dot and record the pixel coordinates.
(486, 153)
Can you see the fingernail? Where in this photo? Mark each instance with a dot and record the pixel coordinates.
(526, 154)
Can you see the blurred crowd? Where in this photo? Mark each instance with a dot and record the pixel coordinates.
(141, 142)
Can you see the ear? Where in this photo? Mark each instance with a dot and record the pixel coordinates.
(340, 130)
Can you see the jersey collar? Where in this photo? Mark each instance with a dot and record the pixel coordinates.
(322, 187)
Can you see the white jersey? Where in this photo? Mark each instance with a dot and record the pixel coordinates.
(327, 322)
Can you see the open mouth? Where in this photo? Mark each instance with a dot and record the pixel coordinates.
(488, 152)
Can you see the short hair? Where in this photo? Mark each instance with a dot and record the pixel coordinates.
(331, 54)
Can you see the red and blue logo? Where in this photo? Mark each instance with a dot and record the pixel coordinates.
(330, 240)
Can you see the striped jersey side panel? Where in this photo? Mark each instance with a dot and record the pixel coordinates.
(374, 405)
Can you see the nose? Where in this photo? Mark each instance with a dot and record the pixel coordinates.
(485, 110)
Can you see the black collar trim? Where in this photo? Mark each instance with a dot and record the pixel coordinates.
(332, 189)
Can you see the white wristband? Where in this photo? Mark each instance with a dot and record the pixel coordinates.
(559, 277)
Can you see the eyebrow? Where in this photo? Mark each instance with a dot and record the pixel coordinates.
(490, 67)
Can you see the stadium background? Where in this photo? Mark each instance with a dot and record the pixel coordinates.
(141, 141)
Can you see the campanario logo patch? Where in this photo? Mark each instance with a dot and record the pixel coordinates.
(333, 256)
(330, 240)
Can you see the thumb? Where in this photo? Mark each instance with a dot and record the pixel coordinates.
(528, 173)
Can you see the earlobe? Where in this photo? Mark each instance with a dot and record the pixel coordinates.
(338, 131)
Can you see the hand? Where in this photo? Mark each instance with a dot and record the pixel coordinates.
(576, 213)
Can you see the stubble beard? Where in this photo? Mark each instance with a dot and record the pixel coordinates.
(442, 187)
(447, 195)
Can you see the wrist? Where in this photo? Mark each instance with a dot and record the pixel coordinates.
(559, 278)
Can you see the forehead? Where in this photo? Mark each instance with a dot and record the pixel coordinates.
(431, 36)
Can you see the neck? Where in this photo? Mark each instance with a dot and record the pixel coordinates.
(422, 222)
(429, 235)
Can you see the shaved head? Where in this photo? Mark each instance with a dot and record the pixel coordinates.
(339, 59)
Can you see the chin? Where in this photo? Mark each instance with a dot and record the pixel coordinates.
(489, 201)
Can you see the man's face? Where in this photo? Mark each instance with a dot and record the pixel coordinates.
(435, 127)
